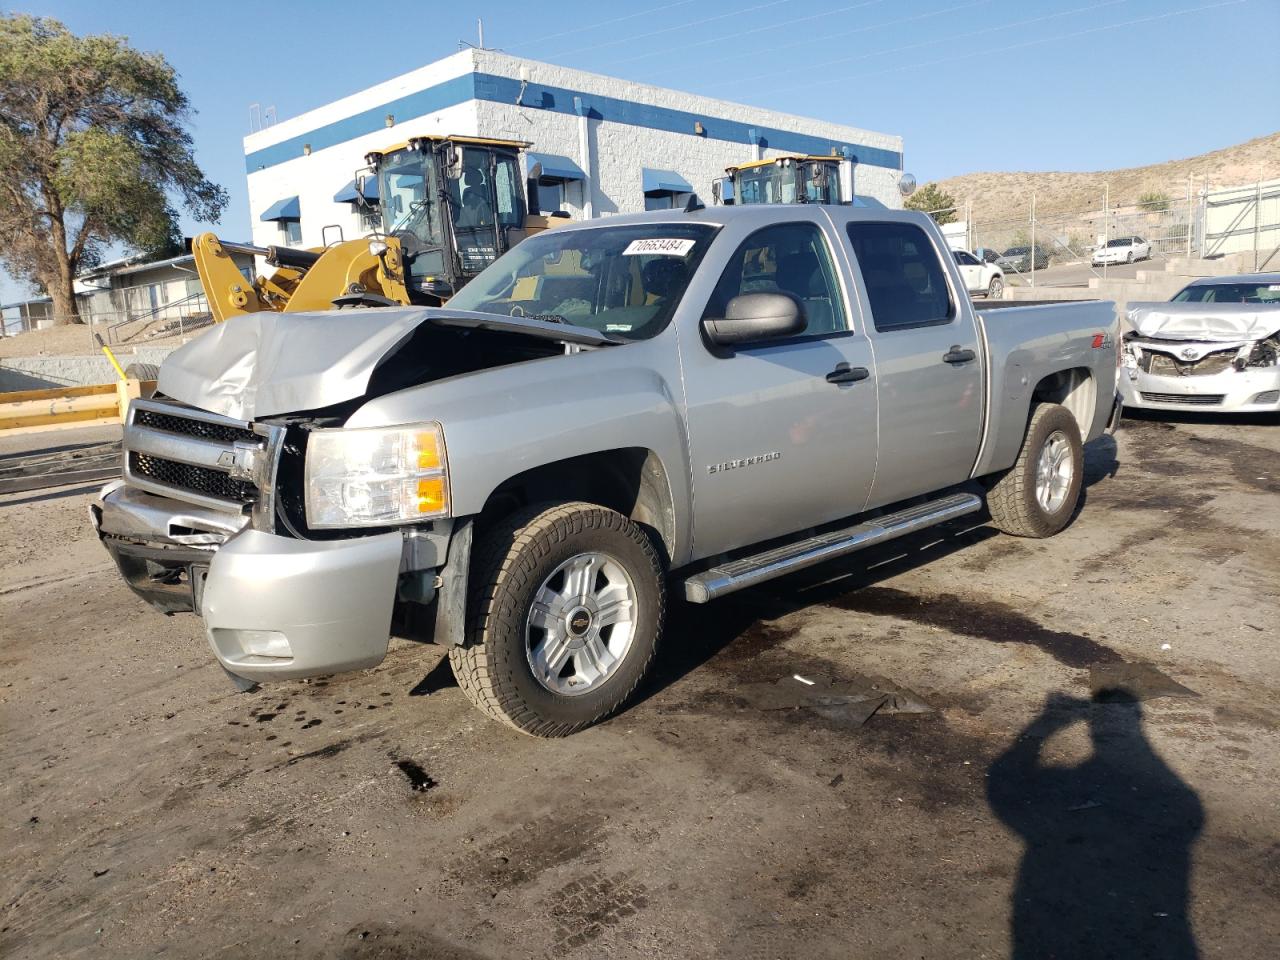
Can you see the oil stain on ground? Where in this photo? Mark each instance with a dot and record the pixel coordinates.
(982, 620)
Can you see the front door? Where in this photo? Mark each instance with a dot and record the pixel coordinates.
(782, 434)
(928, 358)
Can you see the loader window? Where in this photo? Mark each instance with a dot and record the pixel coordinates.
(405, 195)
(623, 281)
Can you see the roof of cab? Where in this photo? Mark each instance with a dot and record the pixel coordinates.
(1237, 278)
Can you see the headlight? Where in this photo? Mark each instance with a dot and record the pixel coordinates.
(376, 476)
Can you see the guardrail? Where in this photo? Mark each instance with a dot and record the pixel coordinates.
(35, 411)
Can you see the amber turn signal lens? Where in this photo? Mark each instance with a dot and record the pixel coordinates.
(431, 495)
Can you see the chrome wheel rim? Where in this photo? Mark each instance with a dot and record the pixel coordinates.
(1054, 471)
(581, 624)
(997, 288)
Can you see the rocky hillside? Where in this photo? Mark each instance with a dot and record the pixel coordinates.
(996, 196)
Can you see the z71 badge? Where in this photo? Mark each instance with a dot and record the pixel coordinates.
(744, 462)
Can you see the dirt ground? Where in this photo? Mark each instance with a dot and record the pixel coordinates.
(148, 810)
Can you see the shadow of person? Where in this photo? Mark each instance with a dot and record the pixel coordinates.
(1106, 869)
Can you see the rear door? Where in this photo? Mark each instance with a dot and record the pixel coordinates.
(928, 359)
(782, 433)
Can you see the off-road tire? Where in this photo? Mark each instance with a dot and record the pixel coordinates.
(142, 371)
(511, 560)
(1011, 499)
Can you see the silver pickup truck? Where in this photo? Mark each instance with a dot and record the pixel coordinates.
(700, 399)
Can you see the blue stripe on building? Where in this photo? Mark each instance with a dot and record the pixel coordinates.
(496, 89)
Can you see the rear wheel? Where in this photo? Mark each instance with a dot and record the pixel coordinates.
(566, 610)
(1038, 495)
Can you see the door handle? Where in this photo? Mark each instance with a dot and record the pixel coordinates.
(958, 355)
(843, 373)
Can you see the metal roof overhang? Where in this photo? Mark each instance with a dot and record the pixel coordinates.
(556, 167)
(664, 181)
(348, 193)
(286, 209)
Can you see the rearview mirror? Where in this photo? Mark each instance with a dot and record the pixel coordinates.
(755, 316)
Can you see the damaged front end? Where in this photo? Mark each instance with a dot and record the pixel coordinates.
(215, 511)
(1198, 356)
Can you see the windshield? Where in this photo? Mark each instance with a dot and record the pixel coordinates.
(405, 193)
(625, 281)
(1264, 293)
(1122, 242)
(1017, 251)
(766, 184)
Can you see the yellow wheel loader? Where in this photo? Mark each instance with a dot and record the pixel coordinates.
(789, 179)
(450, 206)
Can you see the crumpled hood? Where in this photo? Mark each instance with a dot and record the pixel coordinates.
(1210, 322)
(259, 364)
(262, 364)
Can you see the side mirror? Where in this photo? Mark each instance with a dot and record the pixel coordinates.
(755, 316)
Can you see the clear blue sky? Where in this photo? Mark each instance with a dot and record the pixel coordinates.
(969, 84)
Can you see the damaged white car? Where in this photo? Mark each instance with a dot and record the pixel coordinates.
(1216, 346)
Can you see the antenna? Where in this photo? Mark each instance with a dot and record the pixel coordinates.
(270, 116)
(480, 30)
(255, 117)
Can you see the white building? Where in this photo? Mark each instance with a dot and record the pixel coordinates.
(606, 145)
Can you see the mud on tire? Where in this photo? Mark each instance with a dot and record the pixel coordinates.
(1015, 501)
(510, 569)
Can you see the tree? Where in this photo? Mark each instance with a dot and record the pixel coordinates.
(93, 144)
(936, 202)
(1155, 201)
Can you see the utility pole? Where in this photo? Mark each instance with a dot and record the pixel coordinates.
(1033, 238)
(1190, 211)
(1106, 222)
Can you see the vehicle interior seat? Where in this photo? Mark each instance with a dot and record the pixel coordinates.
(800, 274)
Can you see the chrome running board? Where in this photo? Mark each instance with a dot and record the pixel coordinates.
(778, 561)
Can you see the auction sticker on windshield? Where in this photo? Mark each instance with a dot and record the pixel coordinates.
(662, 247)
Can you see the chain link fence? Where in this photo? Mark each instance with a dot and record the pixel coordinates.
(1058, 247)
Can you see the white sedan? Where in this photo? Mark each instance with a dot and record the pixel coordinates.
(1122, 250)
(981, 279)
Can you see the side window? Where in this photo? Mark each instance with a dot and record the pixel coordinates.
(966, 259)
(905, 283)
(789, 258)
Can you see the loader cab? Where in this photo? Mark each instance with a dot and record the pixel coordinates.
(455, 204)
(795, 179)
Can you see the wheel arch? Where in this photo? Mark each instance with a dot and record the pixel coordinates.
(631, 480)
(1072, 388)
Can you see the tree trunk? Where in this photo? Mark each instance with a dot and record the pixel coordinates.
(61, 285)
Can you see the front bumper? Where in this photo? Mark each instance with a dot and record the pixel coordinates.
(274, 608)
(1253, 390)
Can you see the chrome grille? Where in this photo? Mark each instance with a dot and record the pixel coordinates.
(198, 457)
(1193, 399)
(185, 476)
(204, 429)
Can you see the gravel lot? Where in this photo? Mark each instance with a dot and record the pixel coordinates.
(150, 811)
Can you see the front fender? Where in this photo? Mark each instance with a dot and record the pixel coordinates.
(502, 422)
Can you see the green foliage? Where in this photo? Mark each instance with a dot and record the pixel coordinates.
(1154, 201)
(936, 202)
(94, 150)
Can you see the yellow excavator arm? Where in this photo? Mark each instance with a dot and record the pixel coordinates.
(303, 279)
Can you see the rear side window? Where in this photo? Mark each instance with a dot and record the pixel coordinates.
(790, 258)
(905, 283)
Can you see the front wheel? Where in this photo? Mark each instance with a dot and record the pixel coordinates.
(996, 290)
(1038, 494)
(565, 613)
